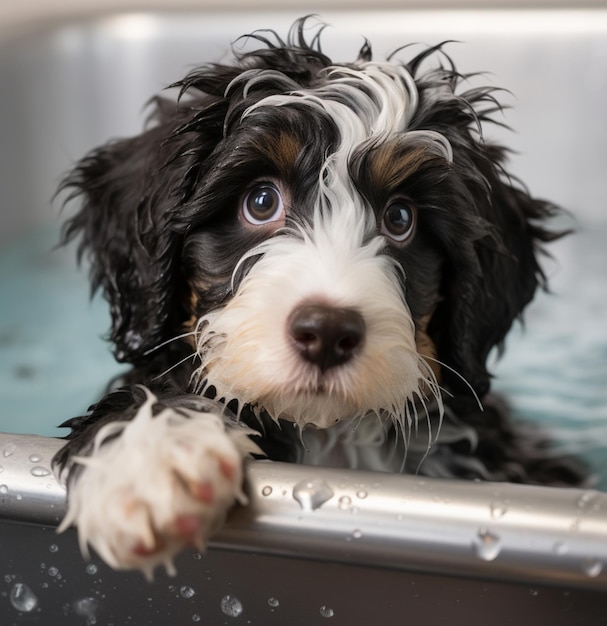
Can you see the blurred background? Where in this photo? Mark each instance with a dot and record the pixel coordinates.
(74, 74)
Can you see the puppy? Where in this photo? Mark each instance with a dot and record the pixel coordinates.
(305, 261)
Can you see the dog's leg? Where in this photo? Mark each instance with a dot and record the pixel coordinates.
(149, 485)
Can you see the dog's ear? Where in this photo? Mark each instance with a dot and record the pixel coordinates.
(492, 229)
(488, 290)
(131, 191)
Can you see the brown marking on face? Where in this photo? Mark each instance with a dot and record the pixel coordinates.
(283, 150)
(189, 326)
(425, 346)
(392, 163)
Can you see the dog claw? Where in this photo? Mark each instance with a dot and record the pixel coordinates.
(226, 468)
(203, 491)
(141, 549)
(187, 527)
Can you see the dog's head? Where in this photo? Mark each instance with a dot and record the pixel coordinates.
(336, 237)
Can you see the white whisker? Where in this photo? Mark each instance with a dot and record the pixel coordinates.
(453, 371)
(168, 341)
(429, 444)
(175, 365)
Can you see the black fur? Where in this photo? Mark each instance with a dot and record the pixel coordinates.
(158, 227)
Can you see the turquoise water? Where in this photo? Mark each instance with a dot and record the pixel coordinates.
(554, 370)
(54, 363)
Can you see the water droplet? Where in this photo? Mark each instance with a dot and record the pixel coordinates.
(231, 606)
(91, 569)
(1, 469)
(23, 598)
(325, 611)
(196, 617)
(197, 556)
(362, 494)
(357, 534)
(53, 571)
(312, 494)
(585, 499)
(35, 458)
(560, 547)
(186, 592)
(592, 568)
(487, 545)
(534, 592)
(273, 602)
(8, 450)
(498, 509)
(344, 502)
(39, 471)
(53, 548)
(19, 497)
(3, 489)
(87, 607)
(266, 491)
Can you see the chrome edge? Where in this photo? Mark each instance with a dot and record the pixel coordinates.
(484, 530)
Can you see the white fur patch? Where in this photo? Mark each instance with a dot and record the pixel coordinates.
(155, 484)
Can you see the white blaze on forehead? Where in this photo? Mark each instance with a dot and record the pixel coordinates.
(368, 103)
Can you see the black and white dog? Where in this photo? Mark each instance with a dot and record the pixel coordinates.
(307, 261)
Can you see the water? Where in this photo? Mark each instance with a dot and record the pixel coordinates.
(186, 592)
(39, 471)
(312, 494)
(592, 568)
(87, 608)
(231, 606)
(497, 509)
(487, 545)
(554, 370)
(23, 598)
(53, 362)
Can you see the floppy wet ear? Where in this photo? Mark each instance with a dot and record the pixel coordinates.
(486, 297)
(488, 291)
(130, 192)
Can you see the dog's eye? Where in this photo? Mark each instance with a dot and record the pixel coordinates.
(398, 221)
(263, 204)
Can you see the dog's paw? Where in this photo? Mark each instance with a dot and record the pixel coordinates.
(155, 484)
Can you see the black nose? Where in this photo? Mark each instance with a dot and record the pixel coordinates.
(326, 336)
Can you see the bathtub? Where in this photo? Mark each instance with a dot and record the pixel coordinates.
(359, 548)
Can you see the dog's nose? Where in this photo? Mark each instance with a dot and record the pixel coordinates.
(326, 336)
